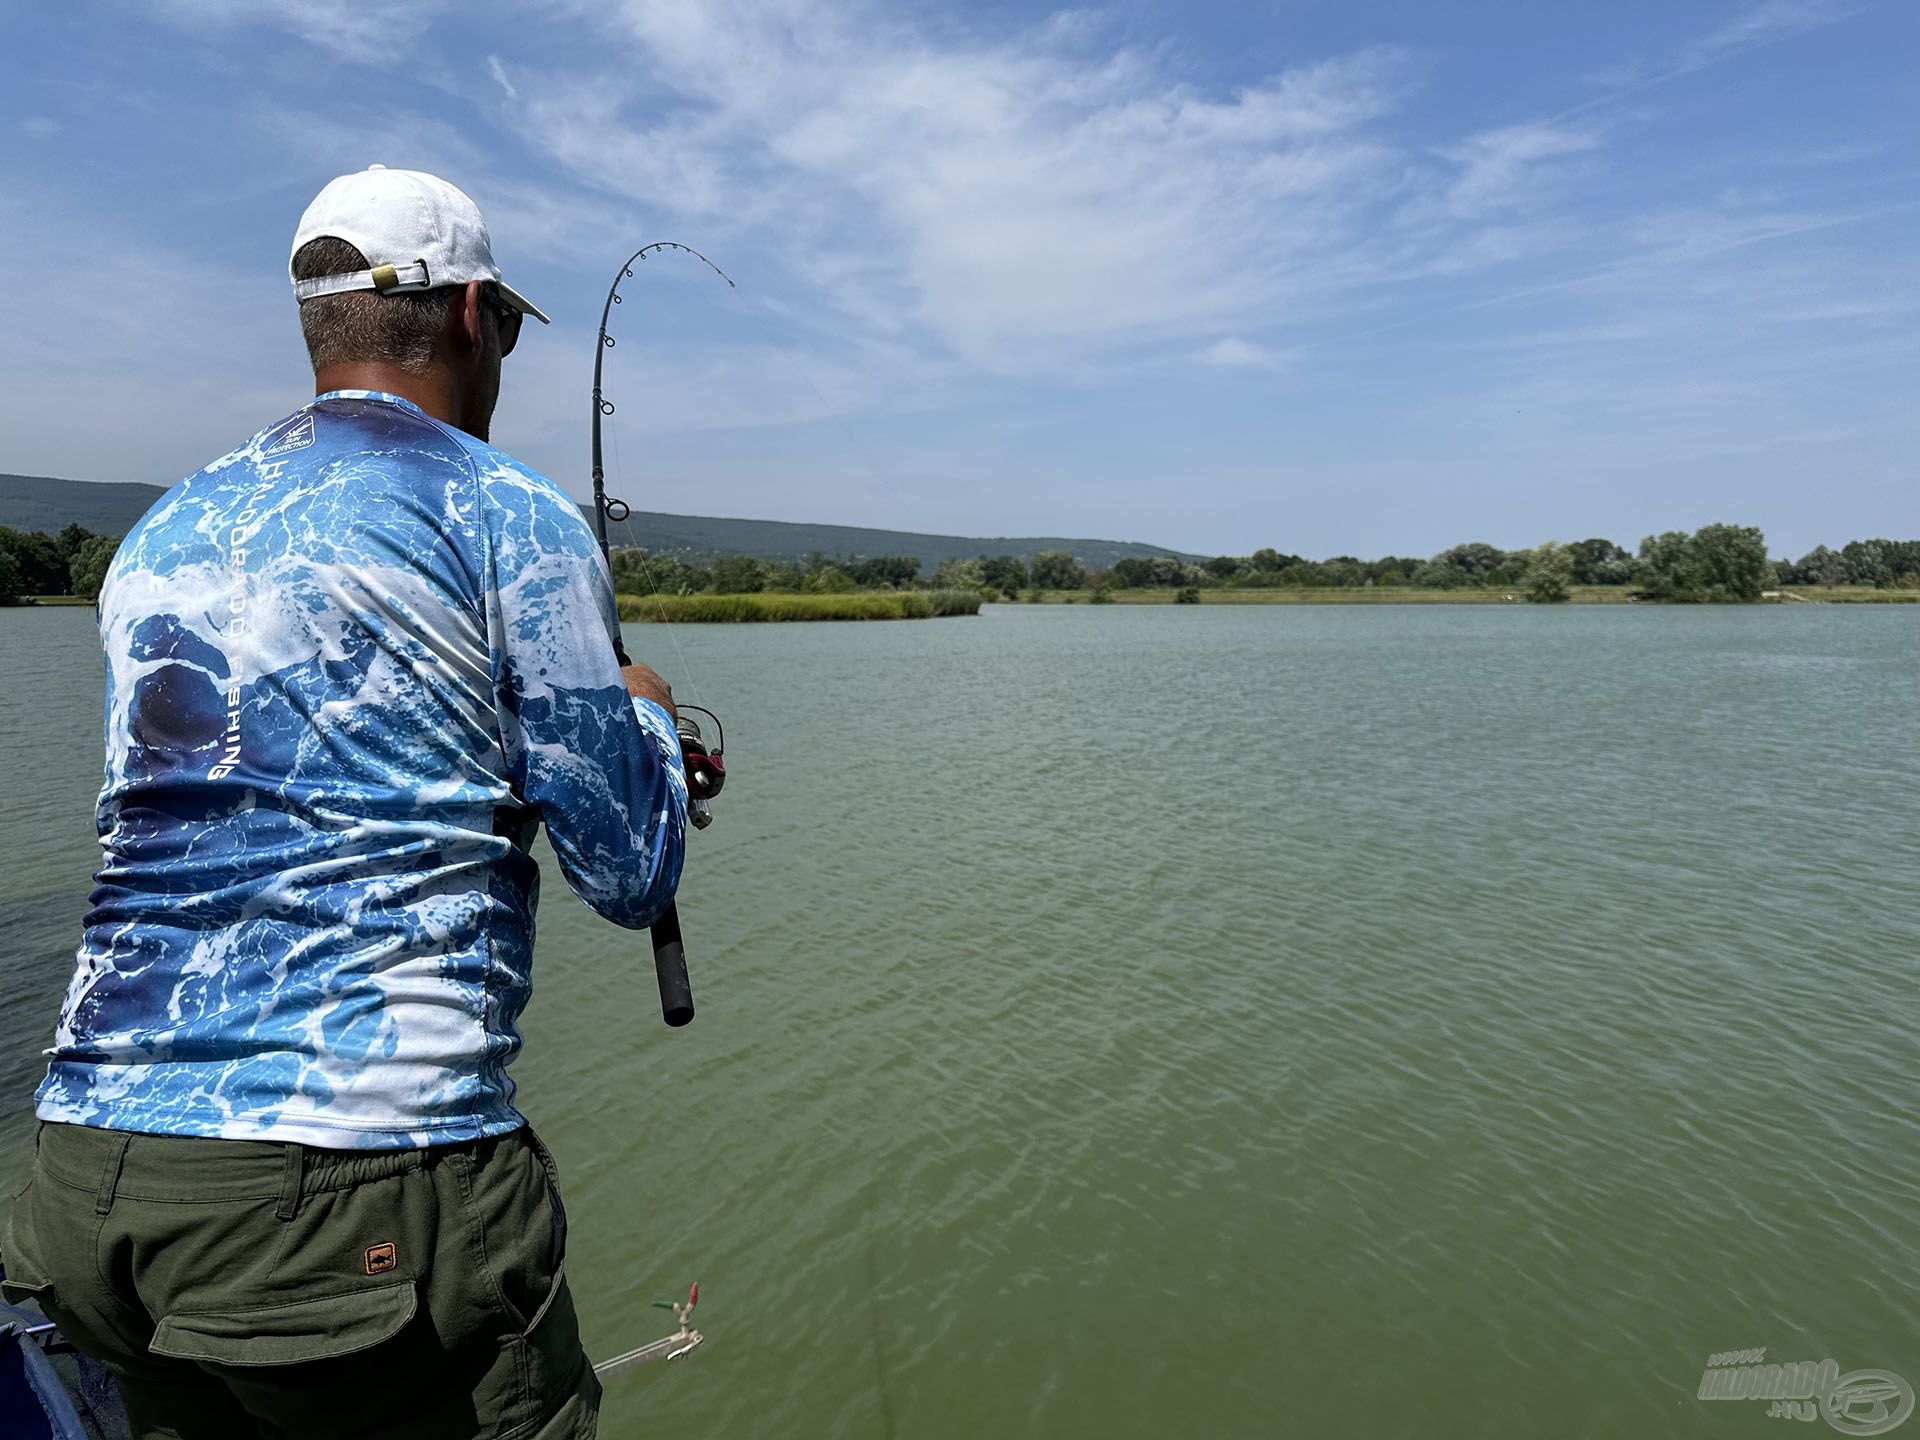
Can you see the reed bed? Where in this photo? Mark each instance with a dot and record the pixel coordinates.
(861, 605)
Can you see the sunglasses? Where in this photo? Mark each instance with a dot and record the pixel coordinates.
(510, 319)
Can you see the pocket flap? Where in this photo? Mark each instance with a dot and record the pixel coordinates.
(289, 1334)
(23, 1283)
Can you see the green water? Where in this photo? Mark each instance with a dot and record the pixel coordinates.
(1399, 1021)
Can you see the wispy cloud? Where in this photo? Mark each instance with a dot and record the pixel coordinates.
(1765, 23)
(354, 31)
(39, 127)
(1030, 201)
(960, 234)
(1234, 353)
(499, 73)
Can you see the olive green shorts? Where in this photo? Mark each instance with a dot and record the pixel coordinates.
(237, 1288)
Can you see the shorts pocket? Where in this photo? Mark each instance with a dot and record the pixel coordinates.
(558, 1373)
(17, 1286)
(23, 1278)
(295, 1333)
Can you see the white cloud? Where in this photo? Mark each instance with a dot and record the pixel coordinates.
(1234, 353)
(1499, 168)
(1015, 202)
(1765, 23)
(39, 127)
(348, 28)
(499, 73)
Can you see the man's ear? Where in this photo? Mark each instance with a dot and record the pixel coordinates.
(466, 331)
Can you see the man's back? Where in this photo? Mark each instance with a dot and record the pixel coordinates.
(349, 665)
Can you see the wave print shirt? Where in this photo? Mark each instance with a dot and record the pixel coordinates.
(350, 668)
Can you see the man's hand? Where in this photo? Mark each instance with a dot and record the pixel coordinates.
(644, 682)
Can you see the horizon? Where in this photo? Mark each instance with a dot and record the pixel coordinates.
(1630, 544)
(1350, 280)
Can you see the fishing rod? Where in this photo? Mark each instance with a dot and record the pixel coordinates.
(705, 765)
(706, 773)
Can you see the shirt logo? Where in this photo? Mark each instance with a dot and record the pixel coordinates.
(382, 1258)
(297, 436)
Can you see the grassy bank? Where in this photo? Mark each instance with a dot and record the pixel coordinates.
(866, 605)
(1847, 595)
(1302, 595)
(1408, 595)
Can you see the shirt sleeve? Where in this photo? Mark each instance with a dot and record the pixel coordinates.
(602, 768)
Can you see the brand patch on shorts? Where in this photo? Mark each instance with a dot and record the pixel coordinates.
(382, 1258)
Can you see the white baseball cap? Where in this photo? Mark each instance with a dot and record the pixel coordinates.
(417, 232)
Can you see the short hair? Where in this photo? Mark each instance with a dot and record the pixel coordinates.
(363, 325)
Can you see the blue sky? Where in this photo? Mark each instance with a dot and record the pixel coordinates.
(1333, 277)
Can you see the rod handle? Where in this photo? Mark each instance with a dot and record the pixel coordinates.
(670, 968)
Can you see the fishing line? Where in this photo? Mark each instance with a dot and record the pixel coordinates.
(603, 411)
(633, 540)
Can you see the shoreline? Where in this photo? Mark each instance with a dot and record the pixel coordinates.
(1407, 595)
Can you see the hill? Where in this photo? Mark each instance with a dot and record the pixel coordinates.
(697, 539)
(41, 502)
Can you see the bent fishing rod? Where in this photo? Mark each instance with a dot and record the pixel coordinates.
(705, 765)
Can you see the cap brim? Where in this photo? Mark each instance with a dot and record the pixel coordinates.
(520, 302)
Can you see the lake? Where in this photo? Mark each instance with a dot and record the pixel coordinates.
(1213, 1021)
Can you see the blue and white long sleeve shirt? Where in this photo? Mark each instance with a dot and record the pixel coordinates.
(350, 667)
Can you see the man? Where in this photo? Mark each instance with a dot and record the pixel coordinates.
(281, 1188)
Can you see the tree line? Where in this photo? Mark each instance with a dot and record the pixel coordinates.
(1714, 563)
(73, 562)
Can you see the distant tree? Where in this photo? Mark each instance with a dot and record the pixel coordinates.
(9, 578)
(1268, 560)
(87, 570)
(1102, 594)
(70, 539)
(1819, 566)
(1057, 570)
(1476, 558)
(829, 580)
(635, 572)
(1661, 570)
(1549, 577)
(1188, 596)
(1727, 562)
(1390, 569)
(957, 574)
(738, 575)
(1903, 559)
(782, 575)
(1867, 563)
(37, 558)
(1600, 562)
(1224, 567)
(896, 571)
(1005, 573)
(1137, 571)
